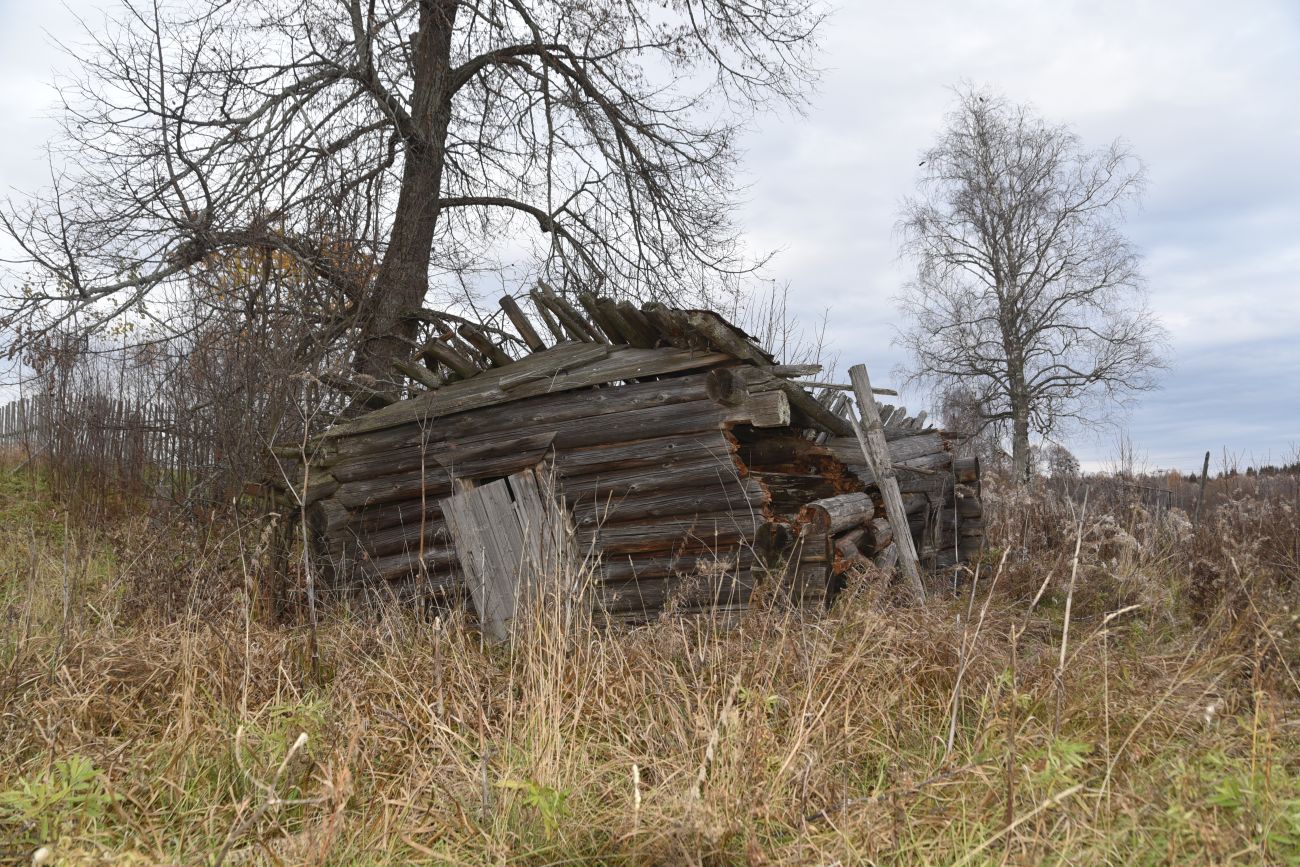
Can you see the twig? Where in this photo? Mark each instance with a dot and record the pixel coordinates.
(966, 651)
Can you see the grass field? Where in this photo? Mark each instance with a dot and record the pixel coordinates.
(148, 715)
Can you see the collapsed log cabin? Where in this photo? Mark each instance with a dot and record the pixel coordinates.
(662, 446)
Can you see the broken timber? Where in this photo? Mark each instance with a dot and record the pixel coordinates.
(664, 449)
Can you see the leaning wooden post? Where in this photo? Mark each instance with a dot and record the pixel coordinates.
(876, 450)
(1200, 496)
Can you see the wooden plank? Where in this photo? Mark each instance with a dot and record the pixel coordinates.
(484, 390)
(489, 544)
(876, 451)
(590, 353)
(551, 568)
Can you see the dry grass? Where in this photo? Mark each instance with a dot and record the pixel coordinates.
(186, 732)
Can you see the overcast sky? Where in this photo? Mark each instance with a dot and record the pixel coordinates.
(1207, 93)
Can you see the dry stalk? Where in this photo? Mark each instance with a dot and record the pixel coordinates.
(967, 650)
(1065, 629)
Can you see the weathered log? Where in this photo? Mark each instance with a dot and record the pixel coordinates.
(435, 560)
(687, 534)
(564, 314)
(901, 450)
(932, 486)
(878, 534)
(670, 421)
(794, 371)
(567, 313)
(317, 485)
(887, 558)
(364, 520)
(480, 341)
(642, 331)
(849, 545)
(417, 372)
(548, 319)
(365, 393)
(966, 470)
(667, 500)
(443, 354)
(654, 451)
(773, 542)
(803, 403)
(834, 515)
(520, 321)
(407, 538)
(723, 385)
(789, 491)
(433, 482)
(683, 472)
(441, 454)
(723, 336)
(650, 595)
(615, 569)
(969, 507)
(521, 416)
(516, 378)
(607, 326)
(669, 328)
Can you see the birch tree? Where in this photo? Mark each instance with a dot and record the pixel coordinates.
(1027, 295)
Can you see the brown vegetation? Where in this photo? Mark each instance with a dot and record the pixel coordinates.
(944, 733)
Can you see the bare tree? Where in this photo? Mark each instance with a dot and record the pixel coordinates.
(964, 417)
(1026, 292)
(1060, 462)
(439, 131)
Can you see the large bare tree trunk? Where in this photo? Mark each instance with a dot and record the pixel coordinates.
(1020, 444)
(403, 276)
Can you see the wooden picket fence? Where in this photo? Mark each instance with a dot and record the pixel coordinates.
(106, 440)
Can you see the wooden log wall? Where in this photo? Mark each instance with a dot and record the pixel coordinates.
(650, 479)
